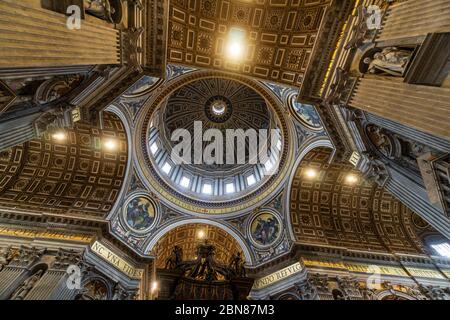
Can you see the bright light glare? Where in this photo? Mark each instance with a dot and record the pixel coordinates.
(59, 136)
(443, 249)
(251, 180)
(166, 167)
(235, 45)
(235, 50)
(207, 188)
(229, 188)
(351, 178)
(154, 148)
(185, 182)
(279, 144)
(311, 173)
(110, 144)
(268, 165)
(201, 234)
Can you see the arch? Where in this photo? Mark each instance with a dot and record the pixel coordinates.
(306, 148)
(163, 231)
(126, 121)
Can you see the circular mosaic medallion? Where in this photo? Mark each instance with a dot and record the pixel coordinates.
(418, 221)
(140, 213)
(265, 229)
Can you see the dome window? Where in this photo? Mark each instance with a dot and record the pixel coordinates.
(229, 188)
(185, 181)
(251, 180)
(166, 168)
(207, 188)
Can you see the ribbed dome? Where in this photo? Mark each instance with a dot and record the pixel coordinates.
(219, 104)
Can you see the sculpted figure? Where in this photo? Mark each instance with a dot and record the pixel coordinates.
(99, 8)
(391, 61)
(26, 287)
(175, 258)
(6, 255)
(237, 265)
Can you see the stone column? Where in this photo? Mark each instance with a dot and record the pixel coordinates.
(32, 125)
(424, 108)
(408, 21)
(15, 273)
(35, 37)
(53, 285)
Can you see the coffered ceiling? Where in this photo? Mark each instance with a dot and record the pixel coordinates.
(77, 176)
(279, 35)
(327, 210)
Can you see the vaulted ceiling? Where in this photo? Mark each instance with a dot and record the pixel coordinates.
(188, 238)
(279, 35)
(76, 176)
(328, 210)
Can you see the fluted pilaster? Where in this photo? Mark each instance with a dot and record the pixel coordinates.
(415, 18)
(35, 37)
(424, 108)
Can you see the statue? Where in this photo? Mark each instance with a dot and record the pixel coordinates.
(434, 292)
(26, 287)
(100, 8)
(205, 266)
(236, 265)
(368, 294)
(5, 257)
(391, 61)
(120, 293)
(175, 258)
(381, 140)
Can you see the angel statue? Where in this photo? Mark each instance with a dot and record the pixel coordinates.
(391, 61)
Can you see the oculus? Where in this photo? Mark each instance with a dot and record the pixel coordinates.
(218, 109)
(140, 213)
(265, 229)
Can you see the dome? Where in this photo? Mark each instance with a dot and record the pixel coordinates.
(219, 171)
(218, 104)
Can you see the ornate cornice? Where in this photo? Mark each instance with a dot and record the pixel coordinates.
(328, 37)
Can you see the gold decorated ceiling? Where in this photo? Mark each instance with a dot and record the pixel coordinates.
(187, 237)
(280, 35)
(73, 177)
(329, 211)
